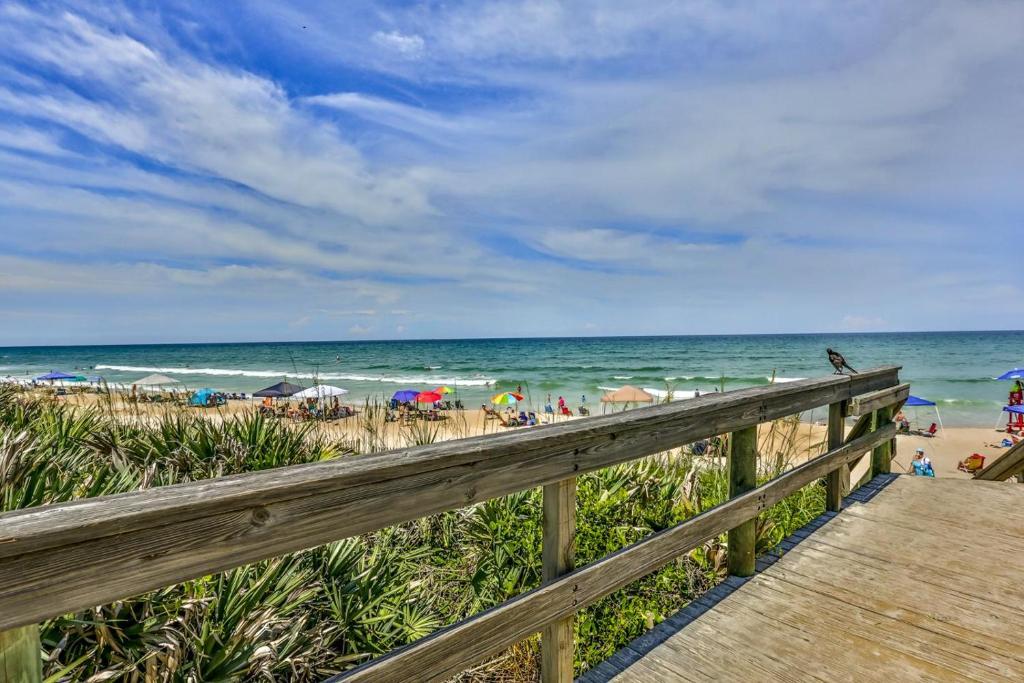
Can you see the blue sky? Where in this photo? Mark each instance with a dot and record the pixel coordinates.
(197, 171)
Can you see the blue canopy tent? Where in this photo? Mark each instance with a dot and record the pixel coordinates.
(918, 402)
(54, 375)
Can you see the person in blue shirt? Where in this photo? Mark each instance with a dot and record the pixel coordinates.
(922, 464)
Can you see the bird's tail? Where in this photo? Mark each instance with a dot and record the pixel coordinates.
(847, 366)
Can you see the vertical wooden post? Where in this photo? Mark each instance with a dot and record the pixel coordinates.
(742, 478)
(837, 482)
(556, 644)
(881, 456)
(20, 656)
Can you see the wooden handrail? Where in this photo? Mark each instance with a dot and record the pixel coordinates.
(59, 558)
(447, 652)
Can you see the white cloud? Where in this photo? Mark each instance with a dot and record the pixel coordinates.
(410, 46)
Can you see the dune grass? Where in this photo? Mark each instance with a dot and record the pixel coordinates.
(308, 615)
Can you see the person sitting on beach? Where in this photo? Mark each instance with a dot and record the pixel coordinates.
(902, 423)
(922, 465)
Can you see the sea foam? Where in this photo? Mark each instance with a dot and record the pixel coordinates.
(228, 372)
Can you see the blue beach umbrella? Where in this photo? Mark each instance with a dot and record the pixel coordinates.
(405, 395)
(54, 375)
(1016, 373)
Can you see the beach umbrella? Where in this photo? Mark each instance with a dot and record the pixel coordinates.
(320, 391)
(506, 398)
(279, 390)
(428, 397)
(54, 375)
(405, 395)
(156, 381)
(444, 390)
(627, 394)
(1016, 373)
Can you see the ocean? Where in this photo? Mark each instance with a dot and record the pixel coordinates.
(954, 369)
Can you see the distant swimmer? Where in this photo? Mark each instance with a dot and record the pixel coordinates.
(838, 362)
(337, 359)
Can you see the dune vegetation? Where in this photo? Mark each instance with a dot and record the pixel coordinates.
(311, 614)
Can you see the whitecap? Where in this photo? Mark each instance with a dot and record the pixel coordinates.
(229, 372)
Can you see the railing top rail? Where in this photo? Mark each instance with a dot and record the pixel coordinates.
(58, 558)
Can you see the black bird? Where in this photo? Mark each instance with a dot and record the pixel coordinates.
(838, 362)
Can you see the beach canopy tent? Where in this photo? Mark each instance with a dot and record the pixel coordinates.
(320, 392)
(627, 394)
(279, 390)
(155, 381)
(54, 375)
(405, 395)
(918, 402)
(202, 397)
(428, 397)
(1016, 373)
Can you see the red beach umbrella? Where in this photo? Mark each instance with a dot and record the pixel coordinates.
(428, 397)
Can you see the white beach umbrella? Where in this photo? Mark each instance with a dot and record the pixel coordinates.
(320, 391)
(156, 381)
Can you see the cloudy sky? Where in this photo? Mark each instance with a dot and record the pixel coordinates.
(207, 171)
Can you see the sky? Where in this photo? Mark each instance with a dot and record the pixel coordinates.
(183, 171)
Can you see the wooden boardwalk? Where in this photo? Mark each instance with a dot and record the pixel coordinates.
(916, 579)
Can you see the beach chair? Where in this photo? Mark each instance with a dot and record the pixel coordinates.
(931, 431)
(972, 463)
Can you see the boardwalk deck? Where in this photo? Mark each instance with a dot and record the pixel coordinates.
(916, 579)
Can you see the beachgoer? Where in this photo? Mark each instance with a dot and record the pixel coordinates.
(519, 388)
(583, 400)
(922, 465)
(561, 404)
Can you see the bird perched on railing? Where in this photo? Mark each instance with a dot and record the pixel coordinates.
(838, 362)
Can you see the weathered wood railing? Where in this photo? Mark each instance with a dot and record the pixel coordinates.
(60, 558)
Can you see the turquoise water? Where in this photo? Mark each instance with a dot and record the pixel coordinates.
(954, 369)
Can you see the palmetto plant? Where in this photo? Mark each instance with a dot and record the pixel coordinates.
(311, 614)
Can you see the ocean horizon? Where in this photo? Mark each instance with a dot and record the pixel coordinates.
(956, 369)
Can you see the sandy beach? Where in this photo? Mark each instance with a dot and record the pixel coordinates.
(946, 449)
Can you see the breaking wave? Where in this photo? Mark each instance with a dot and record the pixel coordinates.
(226, 372)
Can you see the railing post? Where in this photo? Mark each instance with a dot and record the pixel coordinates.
(837, 482)
(20, 657)
(742, 478)
(556, 644)
(881, 456)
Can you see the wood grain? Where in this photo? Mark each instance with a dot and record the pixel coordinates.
(742, 478)
(60, 558)
(448, 652)
(887, 590)
(867, 403)
(556, 644)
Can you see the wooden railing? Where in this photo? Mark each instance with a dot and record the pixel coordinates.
(60, 558)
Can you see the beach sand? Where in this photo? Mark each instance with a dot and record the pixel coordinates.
(946, 449)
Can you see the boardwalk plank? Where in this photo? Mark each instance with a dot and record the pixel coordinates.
(886, 590)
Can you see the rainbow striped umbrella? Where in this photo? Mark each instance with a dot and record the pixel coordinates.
(506, 398)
